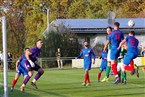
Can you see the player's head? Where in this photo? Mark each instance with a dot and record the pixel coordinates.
(39, 43)
(131, 33)
(86, 44)
(109, 30)
(26, 49)
(116, 25)
(58, 50)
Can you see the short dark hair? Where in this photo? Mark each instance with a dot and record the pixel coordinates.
(132, 32)
(109, 28)
(26, 48)
(85, 41)
(38, 40)
(117, 24)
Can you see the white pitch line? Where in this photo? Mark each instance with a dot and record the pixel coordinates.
(137, 85)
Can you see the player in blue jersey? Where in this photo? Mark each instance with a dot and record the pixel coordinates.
(30, 64)
(20, 69)
(115, 38)
(132, 53)
(103, 64)
(87, 53)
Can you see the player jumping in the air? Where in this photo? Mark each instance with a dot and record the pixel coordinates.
(20, 69)
(115, 38)
(108, 68)
(132, 53)
(103, 64)
(87, 53)
(30, 64)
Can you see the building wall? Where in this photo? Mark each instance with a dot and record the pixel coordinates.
(101, 39)
(96, 41)
(79, 63)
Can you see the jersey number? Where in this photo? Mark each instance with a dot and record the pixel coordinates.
(118, 37)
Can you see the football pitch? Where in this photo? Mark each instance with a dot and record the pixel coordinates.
(67, 83)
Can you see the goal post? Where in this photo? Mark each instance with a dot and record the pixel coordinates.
(5, 63)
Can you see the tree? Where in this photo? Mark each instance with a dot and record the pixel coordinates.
(67, 42)
(26, 19)
(15, 26)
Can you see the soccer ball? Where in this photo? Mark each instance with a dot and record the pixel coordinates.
(131, 23)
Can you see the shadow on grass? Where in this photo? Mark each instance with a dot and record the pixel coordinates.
(18, 93)
(36, 93)
(49, 93)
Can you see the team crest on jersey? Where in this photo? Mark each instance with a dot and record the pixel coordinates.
(86, 55)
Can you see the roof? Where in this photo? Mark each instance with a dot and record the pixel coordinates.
(94, 25)
(101, 23)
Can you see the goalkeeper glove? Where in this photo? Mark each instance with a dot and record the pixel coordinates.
(31, 63)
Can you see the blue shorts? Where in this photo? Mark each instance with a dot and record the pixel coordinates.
(128, 57)
(114, 54)
(29, 68)
(103, 65)
(87, 66)
(22, 71)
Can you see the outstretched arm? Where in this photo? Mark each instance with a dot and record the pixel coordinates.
(17, 64)
(80, 55)
(123, 41)
(106, 44)
(94, 56)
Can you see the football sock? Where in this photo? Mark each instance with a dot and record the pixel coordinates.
(130, 67)
(88, 78)
(37, 76)
(119, 74)
(13, 83)
(26, 79)
(99, 75)
(144, 68)
(108, 71)
(124, 75)
(114, 69)
(85, 78)
(34, 80)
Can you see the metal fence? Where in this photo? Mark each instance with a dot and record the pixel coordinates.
(44, 63)
(52, 62)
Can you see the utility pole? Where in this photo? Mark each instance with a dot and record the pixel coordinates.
(48, 20)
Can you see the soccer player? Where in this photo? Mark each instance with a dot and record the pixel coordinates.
(108, 68)
(87, 53)
(115, 38)
(120, 63)
(144, 58)
(103, 64)
(19, 69)
(132, 53)
(30, 64)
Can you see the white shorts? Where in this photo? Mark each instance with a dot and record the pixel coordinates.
(119, 66)
(108, 55)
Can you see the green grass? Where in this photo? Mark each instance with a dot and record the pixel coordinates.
(67, 83)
